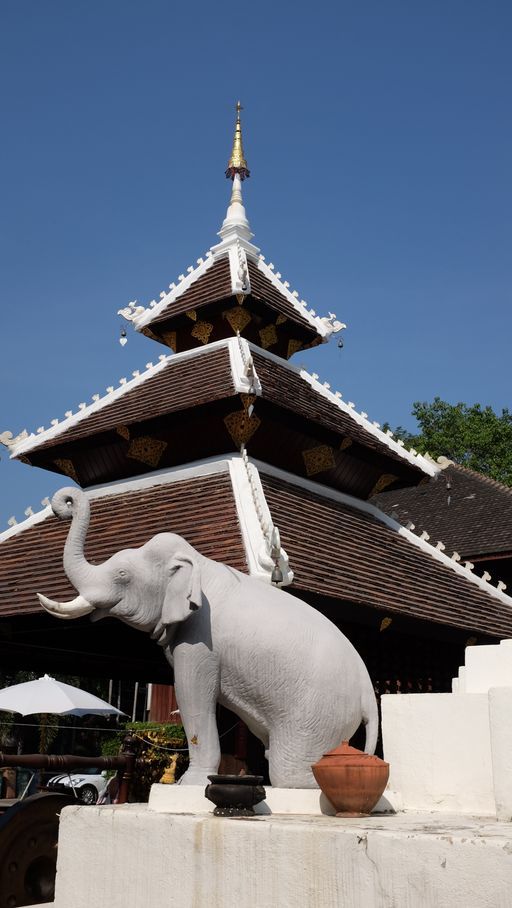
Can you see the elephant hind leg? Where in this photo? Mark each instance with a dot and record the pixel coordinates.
(289, 767)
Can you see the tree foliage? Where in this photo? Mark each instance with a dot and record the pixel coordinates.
(473, 436)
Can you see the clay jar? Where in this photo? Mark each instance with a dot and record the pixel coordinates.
(352, 780)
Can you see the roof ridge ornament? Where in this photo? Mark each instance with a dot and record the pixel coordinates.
(235, 226)
(237, 163)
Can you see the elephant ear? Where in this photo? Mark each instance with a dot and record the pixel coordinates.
(183, 594)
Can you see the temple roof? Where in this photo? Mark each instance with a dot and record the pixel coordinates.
(331, 544)
(216, 386)
(233, 273)
(470, 512)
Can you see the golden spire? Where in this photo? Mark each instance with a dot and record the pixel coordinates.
(237, 162)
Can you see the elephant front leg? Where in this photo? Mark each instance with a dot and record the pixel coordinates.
(196, 679)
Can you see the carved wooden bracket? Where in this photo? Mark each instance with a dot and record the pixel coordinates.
(241, 426)
(238, 318)
(147, 450)
(382, 483)
(268, 336)
(293, 347)
(316, 460)
(202, 331)
(67, 466)
(170, 339)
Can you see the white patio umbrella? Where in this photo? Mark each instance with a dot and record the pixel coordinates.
(46, 695)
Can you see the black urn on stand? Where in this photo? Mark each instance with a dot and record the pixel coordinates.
(235, 796)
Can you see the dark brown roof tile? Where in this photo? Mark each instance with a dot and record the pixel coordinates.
(473, 516)
(339, 551)
(202, 510)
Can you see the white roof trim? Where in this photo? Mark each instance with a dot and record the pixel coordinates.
(31, 521)
(174, 293)
(242, 367)
(416, 459)
(317, 323)
(379, 515)
(255, 521)
(33, 441)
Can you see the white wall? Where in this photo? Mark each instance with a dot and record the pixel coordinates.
(454, 751)
(129, 857)
(439, 750)
(485, 667)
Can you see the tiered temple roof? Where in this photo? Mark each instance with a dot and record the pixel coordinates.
(252, 459)
(197, 404)
(333, 544)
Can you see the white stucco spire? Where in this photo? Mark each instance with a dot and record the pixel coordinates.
(235, 227)
(236, 218)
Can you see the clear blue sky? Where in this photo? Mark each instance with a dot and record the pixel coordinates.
(380, 142)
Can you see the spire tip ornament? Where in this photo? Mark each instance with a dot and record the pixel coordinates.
(237, 163)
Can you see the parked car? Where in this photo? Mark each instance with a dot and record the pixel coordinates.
(89, 785)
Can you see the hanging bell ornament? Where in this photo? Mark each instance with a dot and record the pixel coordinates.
(123, 339)
(277, 574)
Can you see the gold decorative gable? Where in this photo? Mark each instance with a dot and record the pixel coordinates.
(346, 443)
(238, 318)
(241, 427)
(280, 320)
(316, 460)
(192, 314)
(146, 449)
(202, 331)
(124, 432)
(67, 466)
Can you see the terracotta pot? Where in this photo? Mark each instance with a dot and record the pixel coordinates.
(352, 780)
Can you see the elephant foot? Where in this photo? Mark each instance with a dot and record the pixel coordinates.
(196, 776)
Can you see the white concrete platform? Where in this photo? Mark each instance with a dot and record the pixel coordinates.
(131, 857)
(296, 801)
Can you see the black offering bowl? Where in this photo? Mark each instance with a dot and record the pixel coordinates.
(235, 796)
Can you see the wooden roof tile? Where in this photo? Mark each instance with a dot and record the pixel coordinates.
(287, 388)
(202, 510)
(339, 551)
(212, 286)
(181, 384)
(470, 513)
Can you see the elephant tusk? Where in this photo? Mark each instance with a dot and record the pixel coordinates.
(74, 609)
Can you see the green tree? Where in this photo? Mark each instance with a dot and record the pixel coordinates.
(473, 436)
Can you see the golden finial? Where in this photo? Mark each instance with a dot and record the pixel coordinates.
(237, 162)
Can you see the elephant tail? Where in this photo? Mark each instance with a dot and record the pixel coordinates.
(370, 714)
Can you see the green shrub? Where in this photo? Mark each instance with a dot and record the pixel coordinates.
(158, 746)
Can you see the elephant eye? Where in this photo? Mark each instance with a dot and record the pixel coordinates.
(122, 574)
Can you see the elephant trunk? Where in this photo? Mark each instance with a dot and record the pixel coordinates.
(72, 504)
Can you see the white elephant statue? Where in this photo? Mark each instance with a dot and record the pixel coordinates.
(276, 662)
